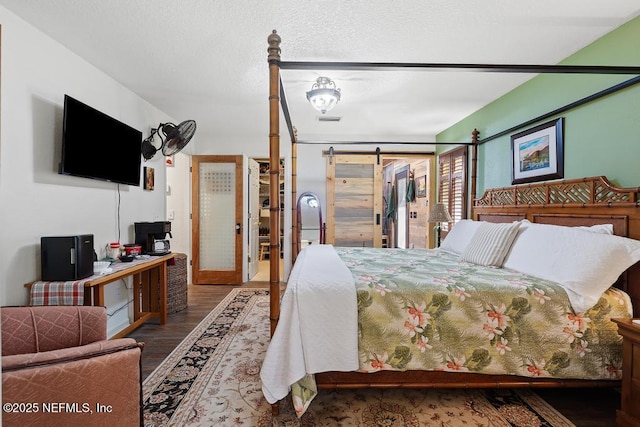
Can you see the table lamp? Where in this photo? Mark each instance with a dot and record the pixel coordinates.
(439, 214)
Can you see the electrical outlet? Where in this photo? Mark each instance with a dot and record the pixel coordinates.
(171, 215)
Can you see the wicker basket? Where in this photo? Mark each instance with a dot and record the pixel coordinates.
(177, 284)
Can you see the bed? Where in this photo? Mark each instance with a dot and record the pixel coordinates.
(425, 331)
(432, 318)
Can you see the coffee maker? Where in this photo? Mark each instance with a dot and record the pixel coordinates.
(152, 237)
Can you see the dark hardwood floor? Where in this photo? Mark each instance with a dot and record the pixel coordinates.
(584, 407)
(159, 340)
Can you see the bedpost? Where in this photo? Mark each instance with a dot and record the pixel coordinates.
(294, 197)
(474, 169)
(274, 185)
(274, 178)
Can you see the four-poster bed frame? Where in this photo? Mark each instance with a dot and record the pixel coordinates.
(574, 202)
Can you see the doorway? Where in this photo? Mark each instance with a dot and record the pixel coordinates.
(217, 192)
(406, 220)
(260, 237)
(253, 218)
(401, 230)
(356, 216)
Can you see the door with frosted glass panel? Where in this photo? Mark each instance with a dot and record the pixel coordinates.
(354, 200)
(217, 184)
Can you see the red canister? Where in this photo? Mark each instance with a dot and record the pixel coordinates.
(132, 249)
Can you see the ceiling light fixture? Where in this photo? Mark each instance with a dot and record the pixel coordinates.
(323, 94)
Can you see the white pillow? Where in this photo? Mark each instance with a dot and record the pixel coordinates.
(460, 235)
(585, 263)
(490, 243)
(599, 228)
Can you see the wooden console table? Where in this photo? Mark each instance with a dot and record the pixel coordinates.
(149, 289)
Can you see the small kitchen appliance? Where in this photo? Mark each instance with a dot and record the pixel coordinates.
(65, 258)
(152, 237)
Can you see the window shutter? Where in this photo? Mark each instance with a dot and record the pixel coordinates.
(452, 168)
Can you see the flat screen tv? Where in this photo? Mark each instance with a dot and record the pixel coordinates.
(95, 145)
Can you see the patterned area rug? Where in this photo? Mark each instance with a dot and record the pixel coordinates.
(213, 379)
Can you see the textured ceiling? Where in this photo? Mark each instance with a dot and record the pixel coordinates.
(207, 59)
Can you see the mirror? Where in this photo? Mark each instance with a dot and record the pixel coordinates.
(310, 226)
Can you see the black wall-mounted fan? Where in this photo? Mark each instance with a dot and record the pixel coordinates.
(176, 137)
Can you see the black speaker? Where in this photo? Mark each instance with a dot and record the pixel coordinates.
(66, 258)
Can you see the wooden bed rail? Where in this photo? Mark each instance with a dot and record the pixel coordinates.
(441, 379)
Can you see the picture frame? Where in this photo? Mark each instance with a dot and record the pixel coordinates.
(149, 178)
(537, 154)
(421, 186)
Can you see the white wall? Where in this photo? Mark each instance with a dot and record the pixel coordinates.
(178, 194)
(312, 173)
(34, 200)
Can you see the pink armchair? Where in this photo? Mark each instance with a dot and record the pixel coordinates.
(58, 369)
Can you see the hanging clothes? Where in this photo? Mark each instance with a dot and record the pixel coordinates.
(391, 204)
(411, 190)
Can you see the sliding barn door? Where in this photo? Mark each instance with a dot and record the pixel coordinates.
(354, 200)
(217, 187)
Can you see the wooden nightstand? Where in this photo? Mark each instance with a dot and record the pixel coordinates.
(629, 413)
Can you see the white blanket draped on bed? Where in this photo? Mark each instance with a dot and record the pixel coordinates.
(317, 331)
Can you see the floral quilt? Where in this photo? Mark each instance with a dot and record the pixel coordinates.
(425, 309)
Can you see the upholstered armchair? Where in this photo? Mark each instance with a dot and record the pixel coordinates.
(59, 369)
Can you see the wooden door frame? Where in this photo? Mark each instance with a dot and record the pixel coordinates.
(253, 241)
(231, 277)
(404, 170)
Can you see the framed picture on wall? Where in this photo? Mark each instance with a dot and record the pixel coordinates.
(421, 186)
(149, 178)
(538, 153)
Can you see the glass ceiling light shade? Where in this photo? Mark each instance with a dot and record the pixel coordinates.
(323, 94)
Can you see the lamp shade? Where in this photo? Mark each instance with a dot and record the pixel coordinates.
(439, 213)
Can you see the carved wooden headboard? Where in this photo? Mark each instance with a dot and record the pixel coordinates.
(575, 202)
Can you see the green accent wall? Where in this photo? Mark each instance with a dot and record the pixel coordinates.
(600, 138)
